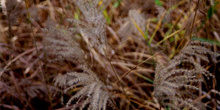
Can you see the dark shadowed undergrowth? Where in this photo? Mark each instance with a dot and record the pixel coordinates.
(109, 54)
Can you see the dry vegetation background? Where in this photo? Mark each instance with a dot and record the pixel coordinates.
(106, 56)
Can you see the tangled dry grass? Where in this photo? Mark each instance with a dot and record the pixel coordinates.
(109, 54)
